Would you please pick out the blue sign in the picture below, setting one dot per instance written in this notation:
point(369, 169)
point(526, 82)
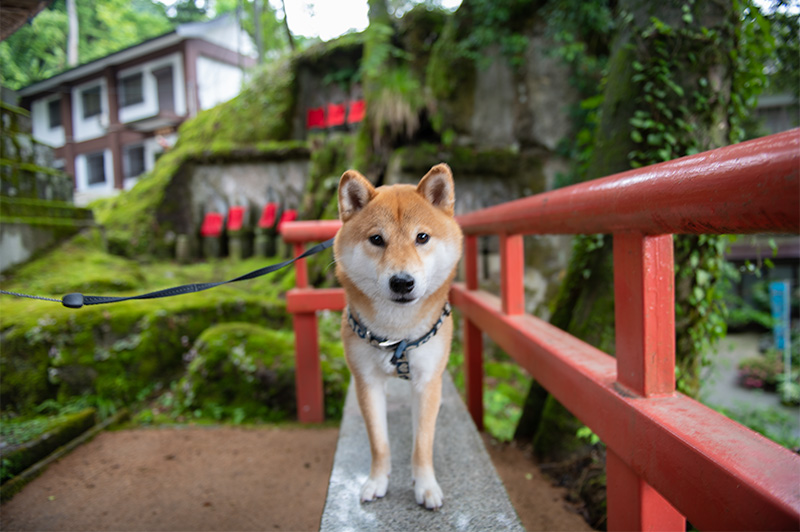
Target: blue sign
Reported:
point(779, 301)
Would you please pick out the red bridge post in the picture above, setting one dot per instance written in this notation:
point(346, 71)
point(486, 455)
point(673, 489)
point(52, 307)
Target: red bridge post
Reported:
point(307, 374)
point(644, 308)
point(473, 338)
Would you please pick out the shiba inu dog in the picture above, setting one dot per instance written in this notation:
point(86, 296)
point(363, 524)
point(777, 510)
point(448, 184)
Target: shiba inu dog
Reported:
point(396, 255)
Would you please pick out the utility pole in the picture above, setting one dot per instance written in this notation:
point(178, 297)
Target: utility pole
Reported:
point(72, 36)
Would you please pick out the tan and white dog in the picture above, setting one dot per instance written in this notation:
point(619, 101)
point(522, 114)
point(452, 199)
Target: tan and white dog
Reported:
point(396, 255)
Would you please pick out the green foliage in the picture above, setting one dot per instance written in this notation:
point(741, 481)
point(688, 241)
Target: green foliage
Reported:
point(38, 50)
point(702, 281)
point(35, 51)
point(183, 11)
point(680, 101)
point(754, 50)
point(393, 93)
point(497, 23)
point(767, 371)
point(581, 32)
point(506, 384)
point(783, 65)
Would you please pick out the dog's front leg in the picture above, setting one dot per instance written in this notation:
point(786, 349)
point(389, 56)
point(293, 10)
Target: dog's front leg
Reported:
point(372, 400)
point(427, 399)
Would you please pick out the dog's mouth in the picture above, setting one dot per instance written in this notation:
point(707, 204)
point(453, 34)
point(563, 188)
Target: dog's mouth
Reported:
point(404, 300)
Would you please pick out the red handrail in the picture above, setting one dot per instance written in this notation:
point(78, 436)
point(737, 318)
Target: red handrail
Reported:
point(704, 193)
point(668, 456)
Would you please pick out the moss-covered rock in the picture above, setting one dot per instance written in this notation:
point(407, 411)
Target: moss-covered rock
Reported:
point(115, 351)
point(241, 371)
point(26, 441)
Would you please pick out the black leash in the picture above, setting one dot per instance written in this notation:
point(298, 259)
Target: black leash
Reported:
point(77, 300)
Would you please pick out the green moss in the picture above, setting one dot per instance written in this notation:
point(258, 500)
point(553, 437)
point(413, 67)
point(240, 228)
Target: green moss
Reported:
point(262, 111)
point(451, 76)
point(115, 351)
point(241, 371)
point(313, 56)
point(419, 27)
point(97, 272)
point(500, 162)
point(29, 440)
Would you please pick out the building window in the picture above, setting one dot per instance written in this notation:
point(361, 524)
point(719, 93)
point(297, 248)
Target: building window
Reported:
point(91, 102)
point(95, 169)
point(134, 161)
point(54, 112)
point(130, 90)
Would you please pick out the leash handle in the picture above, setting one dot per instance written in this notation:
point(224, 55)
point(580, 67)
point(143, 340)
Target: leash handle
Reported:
point(77, 300)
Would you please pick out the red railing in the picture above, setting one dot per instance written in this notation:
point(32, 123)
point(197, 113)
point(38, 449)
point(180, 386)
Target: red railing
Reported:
point(668, 455)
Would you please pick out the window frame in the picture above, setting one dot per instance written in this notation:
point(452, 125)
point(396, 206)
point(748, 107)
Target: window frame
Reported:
point(98, 89)
point(129, 98)
point(89, 157)
point(126, 160)
point(54, 124)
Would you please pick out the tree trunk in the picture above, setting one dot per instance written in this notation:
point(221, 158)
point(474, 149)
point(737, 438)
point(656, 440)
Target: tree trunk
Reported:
point(585, 304)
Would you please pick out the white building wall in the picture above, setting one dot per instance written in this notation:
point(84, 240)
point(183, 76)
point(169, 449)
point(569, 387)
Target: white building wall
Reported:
point(217, 82)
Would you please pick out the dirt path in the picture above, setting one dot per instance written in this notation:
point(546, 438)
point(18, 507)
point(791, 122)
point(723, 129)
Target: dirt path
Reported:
point(224, 479)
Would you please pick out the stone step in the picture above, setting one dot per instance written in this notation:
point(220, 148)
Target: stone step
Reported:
point(474, 496)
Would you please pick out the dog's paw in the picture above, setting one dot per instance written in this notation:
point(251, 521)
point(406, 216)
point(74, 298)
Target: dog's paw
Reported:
point(374, 488)
point(428, 492)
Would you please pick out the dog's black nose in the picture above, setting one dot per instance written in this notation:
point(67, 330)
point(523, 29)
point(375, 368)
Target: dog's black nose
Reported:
point(402, 283)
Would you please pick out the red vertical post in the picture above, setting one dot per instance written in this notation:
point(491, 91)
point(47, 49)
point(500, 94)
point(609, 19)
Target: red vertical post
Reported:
point(633, 504)
point(300, 268)
point(644, 310)
point(307, 373)
point(473, 339)
point(512, 274)
point(644, 302)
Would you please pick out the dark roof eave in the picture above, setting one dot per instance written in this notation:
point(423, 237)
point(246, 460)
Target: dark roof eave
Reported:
point(86, 69)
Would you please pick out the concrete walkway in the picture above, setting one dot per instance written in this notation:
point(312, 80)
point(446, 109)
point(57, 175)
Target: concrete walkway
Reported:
point(474, 496)
point(720, 387)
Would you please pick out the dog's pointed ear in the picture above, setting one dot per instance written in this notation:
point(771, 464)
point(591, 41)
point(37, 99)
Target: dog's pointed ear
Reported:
point(437, 187)
point(354, 194)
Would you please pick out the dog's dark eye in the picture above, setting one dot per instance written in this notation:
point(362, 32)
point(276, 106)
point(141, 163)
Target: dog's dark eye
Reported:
point(423, 238)
point(376, 240)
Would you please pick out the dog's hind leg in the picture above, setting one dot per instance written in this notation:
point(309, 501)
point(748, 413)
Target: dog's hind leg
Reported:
point(426, 401)
point(372, 400)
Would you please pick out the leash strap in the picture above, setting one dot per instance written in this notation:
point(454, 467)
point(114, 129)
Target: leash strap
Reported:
point(78, 300)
